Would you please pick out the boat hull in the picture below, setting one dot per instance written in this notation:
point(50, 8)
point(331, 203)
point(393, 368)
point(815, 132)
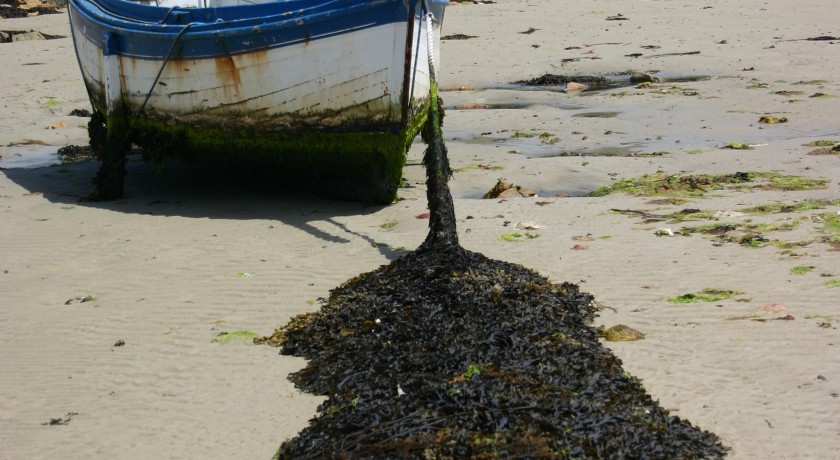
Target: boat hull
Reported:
point(334, 93)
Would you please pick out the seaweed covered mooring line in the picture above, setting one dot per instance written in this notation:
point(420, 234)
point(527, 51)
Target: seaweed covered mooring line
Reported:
point(445, 353)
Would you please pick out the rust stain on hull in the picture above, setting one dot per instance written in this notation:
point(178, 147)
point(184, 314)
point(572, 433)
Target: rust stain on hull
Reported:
point(228, 74)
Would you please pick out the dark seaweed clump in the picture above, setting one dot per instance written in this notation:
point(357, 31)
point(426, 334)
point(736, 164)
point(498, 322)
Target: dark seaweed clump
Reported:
point(74, 153)
point(445, 353)
point(561, 80)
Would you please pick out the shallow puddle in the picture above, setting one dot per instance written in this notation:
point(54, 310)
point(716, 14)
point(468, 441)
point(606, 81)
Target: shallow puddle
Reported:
point(29, 157)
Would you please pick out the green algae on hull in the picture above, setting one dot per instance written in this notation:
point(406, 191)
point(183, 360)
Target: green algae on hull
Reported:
point(357, 163)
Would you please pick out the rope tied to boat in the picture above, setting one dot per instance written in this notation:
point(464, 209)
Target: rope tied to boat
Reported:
point(163, 66)
point(430, 42)
point(442, 227)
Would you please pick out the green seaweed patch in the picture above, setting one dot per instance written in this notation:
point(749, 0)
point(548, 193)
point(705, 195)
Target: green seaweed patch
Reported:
point(472, 370)
point(225, 338)
point(821, 96)
point(791, 183)
point(822, 143)
point(804, 205)
point(674, 185)
point(830, 221)
point(826, 151)
point(706, 295)
point(523, 135)
point(471, 167)
point(739, 146)
point(831, 283)
point(682, 216)
point(753, 240)
point(515, 237)
point(825, 317)
point(389, 224)
point(711, 229)
point(787, 245)
point(52, 102)
point(801, 269)
point(783, 227)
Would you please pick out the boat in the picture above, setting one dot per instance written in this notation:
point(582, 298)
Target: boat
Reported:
point(330, 92)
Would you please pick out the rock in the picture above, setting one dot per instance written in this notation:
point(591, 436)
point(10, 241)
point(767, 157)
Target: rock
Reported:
point(574, 87)
point(768, 120)
point(504, 189)
point(641, 77)
point(517, 192)
point(622, 333)
point(25, 36)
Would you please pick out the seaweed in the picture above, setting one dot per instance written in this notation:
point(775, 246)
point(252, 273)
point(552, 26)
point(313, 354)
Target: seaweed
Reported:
point(445, 353)
point(562, 80)
point(706, 295)
point(392, 349)
point(679, 186)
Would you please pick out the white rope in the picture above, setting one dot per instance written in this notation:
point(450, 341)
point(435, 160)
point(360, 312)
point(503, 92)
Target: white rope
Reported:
point(430, 38)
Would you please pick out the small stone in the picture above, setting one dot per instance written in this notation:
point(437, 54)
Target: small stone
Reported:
point(504, 189)
point(622, 333)
point(26, 36)
point(574, 87)
point(641, 77)
point(768, 120)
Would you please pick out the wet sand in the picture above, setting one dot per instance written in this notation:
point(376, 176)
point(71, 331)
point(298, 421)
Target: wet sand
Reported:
point(183, 258)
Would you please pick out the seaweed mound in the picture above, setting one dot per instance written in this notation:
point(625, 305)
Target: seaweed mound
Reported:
point(446, 353)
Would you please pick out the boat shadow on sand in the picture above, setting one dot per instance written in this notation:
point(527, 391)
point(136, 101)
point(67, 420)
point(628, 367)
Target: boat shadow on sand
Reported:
point(178, 189)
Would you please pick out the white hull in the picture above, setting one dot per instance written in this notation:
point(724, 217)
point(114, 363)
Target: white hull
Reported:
point(355, 78)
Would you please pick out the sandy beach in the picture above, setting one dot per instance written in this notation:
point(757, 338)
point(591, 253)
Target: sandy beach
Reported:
point(110, 312)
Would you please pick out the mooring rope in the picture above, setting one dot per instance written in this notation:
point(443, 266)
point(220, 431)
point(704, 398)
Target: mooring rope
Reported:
point(163, 66)
point(442, 227)
point(430, 42)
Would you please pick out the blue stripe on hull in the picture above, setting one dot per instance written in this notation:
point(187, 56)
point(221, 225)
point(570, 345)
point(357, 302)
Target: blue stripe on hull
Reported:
point(226, 31)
